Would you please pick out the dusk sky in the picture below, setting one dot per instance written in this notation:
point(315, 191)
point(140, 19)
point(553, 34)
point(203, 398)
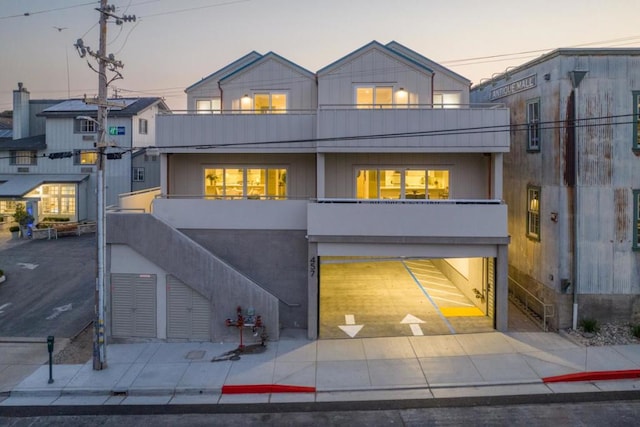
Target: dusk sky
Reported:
point(173, 44)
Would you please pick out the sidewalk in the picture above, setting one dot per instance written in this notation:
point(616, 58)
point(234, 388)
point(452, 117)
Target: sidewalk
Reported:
point(422, 367)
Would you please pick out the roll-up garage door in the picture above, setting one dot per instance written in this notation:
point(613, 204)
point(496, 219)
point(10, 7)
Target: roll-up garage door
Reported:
point(133, 305)
point(188, 312)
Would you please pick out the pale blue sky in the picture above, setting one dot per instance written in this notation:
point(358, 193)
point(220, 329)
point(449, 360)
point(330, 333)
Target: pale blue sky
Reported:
point(175, 43)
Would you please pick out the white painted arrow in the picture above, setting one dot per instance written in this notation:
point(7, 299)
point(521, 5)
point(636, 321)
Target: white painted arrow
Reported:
point(350, 328)
point(27, 265)
point(414, 324)
point(3, 306)
point(58, 310)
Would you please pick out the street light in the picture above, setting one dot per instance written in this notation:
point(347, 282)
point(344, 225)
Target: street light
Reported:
point(99, 348)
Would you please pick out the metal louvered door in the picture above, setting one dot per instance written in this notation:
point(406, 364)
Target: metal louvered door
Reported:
point(133, 305)
point(188, 312)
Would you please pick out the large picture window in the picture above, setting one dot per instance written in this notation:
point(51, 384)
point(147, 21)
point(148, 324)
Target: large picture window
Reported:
point(533, 212)
point(246, 182)
point(533, 125)
point(414, 183)
point(56, 199)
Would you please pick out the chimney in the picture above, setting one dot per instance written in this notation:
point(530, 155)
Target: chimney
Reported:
point(20, 112)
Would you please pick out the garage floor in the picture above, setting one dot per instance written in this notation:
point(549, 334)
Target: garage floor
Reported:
point(394, 297)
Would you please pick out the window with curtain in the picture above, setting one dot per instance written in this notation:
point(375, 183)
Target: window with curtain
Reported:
point(533, 213)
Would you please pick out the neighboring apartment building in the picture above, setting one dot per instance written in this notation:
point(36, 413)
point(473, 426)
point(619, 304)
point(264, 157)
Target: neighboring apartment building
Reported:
point(279, 174)
point(572, 181)
point(51, 159)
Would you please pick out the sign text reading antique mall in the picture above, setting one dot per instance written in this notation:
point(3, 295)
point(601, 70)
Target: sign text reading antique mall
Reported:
point(514, 87)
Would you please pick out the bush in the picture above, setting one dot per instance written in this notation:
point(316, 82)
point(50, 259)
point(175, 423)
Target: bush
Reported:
point(1, 273)
point(21, 216)
point(53, 219)
point(14, 228)
point(589, 325)
point(635, 331)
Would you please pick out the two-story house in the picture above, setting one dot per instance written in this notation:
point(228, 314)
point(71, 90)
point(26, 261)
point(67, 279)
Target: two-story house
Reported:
point(50, 162)
point(361, 200)
point(572, 181)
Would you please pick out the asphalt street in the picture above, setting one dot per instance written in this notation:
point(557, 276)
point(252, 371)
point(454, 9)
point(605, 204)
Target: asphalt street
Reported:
point(49, 288)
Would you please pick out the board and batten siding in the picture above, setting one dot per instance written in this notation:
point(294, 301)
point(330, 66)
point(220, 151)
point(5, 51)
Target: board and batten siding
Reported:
point(373, 67)
point(271, 75)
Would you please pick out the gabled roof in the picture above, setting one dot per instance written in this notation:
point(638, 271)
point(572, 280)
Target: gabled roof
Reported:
point(370, 46)
point(266, 57)
point(403, 50)
point(235, 65)
point(18, 185)
point(27, 144)
point(130, 107)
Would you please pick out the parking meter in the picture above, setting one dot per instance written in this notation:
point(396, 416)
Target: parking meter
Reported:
point(50, 340)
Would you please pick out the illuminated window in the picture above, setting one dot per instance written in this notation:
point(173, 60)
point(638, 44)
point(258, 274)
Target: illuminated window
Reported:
point(56, 198)
point(636, 219)
point(270, 102)
point(533, 125)
point(402, 184)
point(85, 126)
point(533, 212)
point(208, 106)
point(636, 120)
point(447, 99)
point(246, 182)
point(374, 97)
point(82, 157)
point(23, 158)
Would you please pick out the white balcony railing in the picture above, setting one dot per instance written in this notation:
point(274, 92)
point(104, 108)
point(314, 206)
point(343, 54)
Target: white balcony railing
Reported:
point(408, 218)
point(334, 128)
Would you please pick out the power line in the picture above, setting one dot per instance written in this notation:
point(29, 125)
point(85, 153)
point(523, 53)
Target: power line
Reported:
point(48, 10)
point(173, 12)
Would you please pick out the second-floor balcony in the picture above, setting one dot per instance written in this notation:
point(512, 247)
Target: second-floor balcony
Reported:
point(448, 220)
point(341, 128)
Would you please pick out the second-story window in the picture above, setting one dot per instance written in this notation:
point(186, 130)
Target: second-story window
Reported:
point(85, 157)
point(407, 183)
point(208, 106)
point(270, 102)
point(533, 213)
point(137, 174)
point(85, 126)
point(533, 125)
point(23, 158)
point(374, 96)
point(246, 182)
point(143, 126)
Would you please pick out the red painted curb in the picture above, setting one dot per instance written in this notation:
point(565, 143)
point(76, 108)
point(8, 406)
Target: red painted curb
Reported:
point(266, 388)
point(595, 376)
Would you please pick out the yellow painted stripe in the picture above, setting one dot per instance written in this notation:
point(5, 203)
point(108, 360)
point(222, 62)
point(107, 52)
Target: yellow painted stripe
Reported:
point(461, 311)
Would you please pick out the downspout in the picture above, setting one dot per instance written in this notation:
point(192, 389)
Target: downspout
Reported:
point(221, 97)
point(576, 77)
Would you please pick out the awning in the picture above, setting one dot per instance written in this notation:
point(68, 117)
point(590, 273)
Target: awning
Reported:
point(17, 185)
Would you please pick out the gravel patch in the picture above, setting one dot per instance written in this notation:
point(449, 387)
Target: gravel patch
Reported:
point(79, 350)
point(609, 334)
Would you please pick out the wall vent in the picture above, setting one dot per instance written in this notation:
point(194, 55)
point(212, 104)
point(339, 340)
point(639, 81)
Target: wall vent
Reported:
point(23, 169)
point(86, 170)
point(88, 138)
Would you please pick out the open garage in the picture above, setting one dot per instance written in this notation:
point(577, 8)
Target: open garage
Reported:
point(404, 296)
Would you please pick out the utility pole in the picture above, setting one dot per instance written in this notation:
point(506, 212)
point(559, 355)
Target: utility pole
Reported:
point(104, 63)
